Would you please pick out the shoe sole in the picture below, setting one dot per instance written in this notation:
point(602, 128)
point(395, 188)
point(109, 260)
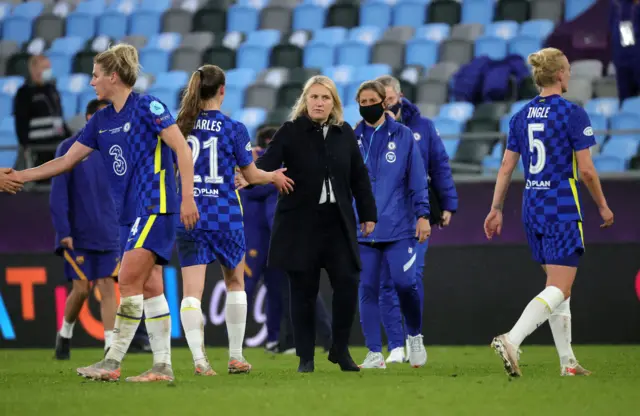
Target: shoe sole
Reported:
point(501, 351)
point(101, 378)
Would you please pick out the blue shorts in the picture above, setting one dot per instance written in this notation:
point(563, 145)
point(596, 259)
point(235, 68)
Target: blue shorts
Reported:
point(559, 244)
point(90, 265)
point(156, 233)
point(206, 246)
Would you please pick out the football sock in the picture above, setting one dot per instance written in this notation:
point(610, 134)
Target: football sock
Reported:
point(560, 323)
point(158, 322)
point(66, 331)
point(193, 324)
point(236, 318)
point(108, 337)
point(127, 321)
point(535, 314)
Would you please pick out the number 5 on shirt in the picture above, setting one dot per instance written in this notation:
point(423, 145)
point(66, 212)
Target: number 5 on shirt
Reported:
point(536, 145)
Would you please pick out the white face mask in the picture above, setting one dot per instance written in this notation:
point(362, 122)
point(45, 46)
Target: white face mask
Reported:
point(47, 75)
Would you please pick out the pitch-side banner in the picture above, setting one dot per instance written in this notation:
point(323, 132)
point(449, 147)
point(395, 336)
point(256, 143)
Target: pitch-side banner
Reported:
point(471, 294)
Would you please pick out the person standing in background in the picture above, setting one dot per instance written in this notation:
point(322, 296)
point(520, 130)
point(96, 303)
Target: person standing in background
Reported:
point(399, 182)
point(38, 112)
point(624, 27)
point(315, 227)
point(84, 217)
point(442, 191)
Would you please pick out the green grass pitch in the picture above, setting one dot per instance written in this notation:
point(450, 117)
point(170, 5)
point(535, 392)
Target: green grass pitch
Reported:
point(455, 381)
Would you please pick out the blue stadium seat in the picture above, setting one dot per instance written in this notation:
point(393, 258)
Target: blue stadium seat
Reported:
point(505, 29)
point(323, 3)
point(491, 46)
point(94, 7)
point(69, 44)
point(330, 35)
point(352, 113)
point(30, 9)
point(8, 157)
point(257, 4)
point(167, 41)
point(165, 93)
point(624, 149)
point(341, 74)
point(409, 13)
point(609, 163)
point(255, 57)
point(308, 17)
point(84, 98)
point(155, 5)
point(17, 29)
point(524, 45)
point(459, 111)
point(421, 51)
point(504, 123)
point(5, 10)
point(598, 122)
point(353, 53)
point(9, 85)
point(350, 92)
point(266, 37)
point(540, 28)
point(318, 55)
point(154, 60)
point(145, 22)
point(75, 83)
point(242, 19)
point(172, 79)
point(125, 7)
point(8, 137)
point(112, 24)
point(631, 105)
point(625, 121)
point(447, 126)
point(606, 106)
point(62, 52)
point(250, 117)
point(573, 8)
point(233, 98)
point(434, 31)
point(365, 34)
point(6, 104)
point(477, 11)
point(375, 14)
point(81, 24)
point(240, 77)
point(69, 101)
point(371, 71)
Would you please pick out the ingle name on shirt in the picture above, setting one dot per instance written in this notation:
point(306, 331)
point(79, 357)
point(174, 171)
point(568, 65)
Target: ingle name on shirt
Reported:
point(538, 112)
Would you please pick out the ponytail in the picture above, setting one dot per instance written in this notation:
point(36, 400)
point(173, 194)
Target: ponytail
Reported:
point(190, 107)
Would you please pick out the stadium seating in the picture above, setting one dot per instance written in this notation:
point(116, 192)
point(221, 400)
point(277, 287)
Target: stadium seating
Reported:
point(269, 48)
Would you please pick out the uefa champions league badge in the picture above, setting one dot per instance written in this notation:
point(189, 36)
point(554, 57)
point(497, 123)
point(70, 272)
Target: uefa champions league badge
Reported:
point(392, 146)
point(156, 108)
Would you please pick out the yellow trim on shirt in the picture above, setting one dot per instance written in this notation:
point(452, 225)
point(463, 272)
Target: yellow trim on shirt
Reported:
point(157, 169)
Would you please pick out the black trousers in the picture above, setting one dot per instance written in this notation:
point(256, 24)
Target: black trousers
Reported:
point(333, 255)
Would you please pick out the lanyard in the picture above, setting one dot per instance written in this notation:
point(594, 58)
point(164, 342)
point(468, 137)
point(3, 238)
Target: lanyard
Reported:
point(368, 151)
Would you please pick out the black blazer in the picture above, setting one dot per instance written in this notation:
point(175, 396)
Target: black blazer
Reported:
point(300, 146)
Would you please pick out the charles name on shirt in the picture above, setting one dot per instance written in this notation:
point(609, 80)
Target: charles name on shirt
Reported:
point(206, 124)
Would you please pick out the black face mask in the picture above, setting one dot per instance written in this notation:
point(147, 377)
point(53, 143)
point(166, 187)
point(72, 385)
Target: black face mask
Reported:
point(395, 108)
point(372, 113)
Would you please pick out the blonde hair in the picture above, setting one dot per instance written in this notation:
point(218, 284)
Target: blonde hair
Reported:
point(546, 63)
point(375, 86)
point(204, 85)
point(121, 59)
point(336, 117)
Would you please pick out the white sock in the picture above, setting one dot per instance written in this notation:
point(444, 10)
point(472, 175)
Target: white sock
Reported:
point(193, 324)
point(158, 322)
point(128, 318)
point(560, 323)
point(535, 314)
point(66, 331)
point(236, 318)
point(108, 337)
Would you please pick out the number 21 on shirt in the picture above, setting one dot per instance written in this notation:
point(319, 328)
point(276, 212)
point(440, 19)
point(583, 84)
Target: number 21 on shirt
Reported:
point(212, 145)
point(537, 146)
